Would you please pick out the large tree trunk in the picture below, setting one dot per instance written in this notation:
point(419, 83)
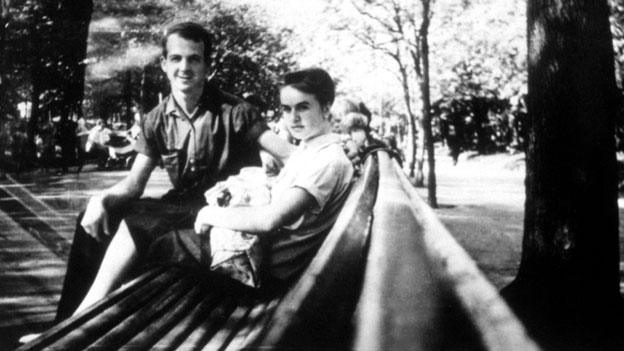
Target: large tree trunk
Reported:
point(73, 22)
point(568, 283)
point(4, 16)
point(37, 88)
point(480, 121)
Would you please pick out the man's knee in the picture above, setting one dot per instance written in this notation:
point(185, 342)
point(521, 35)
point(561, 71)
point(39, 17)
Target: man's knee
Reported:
point(85, 245)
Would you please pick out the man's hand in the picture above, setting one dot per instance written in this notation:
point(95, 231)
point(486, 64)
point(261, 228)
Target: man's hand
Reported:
point(95, 219)
point(201, 226)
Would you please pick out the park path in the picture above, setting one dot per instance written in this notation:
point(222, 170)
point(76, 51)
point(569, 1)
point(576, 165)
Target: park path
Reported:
point(481, 202)
point(37, 218)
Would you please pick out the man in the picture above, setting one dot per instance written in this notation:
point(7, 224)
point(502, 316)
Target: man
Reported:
point(200, 135)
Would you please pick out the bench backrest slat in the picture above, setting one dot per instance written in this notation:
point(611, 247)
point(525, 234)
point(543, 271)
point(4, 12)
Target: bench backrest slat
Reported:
point(497, 326)
point(421, 291)
point(400, 296)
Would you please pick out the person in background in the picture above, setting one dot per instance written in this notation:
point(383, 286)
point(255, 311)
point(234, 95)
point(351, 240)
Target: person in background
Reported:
point(97, 142)
point(305, 200)
point(356, 125)
point(82, 133)
point(66, 138)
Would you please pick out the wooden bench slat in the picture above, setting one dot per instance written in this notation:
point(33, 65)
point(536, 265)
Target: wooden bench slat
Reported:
point(213, 307)
point(127, 328)
point(78, 338)
point(223, 335)
point(493, 321)
point(238, 342)
point(257, 327)
point(62, 328)
point(400, 296)
point(166, 321)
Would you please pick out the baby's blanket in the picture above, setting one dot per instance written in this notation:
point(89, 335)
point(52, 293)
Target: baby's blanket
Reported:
point(234, 253)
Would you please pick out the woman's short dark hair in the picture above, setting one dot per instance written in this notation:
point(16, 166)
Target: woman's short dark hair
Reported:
point(190, 31)
point(314, 81)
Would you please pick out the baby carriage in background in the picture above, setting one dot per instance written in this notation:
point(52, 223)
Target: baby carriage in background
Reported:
point(111, 149)
point(121, 152)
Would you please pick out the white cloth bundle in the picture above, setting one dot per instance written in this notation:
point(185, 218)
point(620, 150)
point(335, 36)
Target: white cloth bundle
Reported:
point(233, 253)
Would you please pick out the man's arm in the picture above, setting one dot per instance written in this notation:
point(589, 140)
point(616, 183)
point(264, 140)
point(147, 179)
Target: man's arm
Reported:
point(276, 146)
point(95, 219)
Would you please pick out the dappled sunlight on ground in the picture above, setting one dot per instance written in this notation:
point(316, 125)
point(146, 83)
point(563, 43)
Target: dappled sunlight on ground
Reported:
point(37, 218)
point(482, 204)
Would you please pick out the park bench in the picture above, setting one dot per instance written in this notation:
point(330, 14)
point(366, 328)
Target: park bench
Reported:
point(387, 277)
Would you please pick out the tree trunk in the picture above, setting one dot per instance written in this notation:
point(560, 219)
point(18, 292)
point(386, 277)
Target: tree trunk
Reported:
point(74, 18)
point(412, 144)
point(419, 178)
point(4, 16)
point(480, 115)
point(426, 118)
point(37, 89)
point(411, 134)
point(568, 282)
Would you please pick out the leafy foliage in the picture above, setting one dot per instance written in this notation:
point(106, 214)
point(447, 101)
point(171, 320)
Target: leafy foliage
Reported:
point(44, 53)
point(247, 56)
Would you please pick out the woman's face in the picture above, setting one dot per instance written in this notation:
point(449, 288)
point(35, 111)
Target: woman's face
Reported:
point(303, 115)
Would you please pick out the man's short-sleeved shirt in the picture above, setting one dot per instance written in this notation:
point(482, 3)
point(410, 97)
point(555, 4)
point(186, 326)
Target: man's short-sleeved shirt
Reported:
point(321, 168)
point(217, 141)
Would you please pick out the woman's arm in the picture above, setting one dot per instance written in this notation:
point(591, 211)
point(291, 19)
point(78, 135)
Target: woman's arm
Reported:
point(257, 219)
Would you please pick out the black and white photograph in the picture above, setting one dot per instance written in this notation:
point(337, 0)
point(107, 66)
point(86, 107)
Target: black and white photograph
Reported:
point(312, 175)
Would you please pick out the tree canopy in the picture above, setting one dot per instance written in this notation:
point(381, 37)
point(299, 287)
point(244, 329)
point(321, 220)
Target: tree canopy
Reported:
point(46, 47)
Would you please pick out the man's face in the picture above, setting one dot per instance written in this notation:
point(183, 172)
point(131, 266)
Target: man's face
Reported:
point(185, 64)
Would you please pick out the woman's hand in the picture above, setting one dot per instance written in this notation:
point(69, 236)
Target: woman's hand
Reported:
point(201, 221)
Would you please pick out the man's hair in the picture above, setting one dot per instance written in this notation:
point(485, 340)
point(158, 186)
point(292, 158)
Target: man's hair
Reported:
point(190, 31)
point(314, 81)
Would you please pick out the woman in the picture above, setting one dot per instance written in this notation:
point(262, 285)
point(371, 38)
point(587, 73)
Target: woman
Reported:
point(306, 196)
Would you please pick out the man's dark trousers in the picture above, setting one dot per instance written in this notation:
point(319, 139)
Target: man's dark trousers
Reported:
point(146, 219)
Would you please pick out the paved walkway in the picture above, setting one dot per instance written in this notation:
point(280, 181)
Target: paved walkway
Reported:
point(37, 218)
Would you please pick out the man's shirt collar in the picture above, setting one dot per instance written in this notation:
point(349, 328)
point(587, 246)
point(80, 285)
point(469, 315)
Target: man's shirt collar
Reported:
point(210, 100)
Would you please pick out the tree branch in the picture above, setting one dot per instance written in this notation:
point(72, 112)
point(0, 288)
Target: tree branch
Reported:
point(369, 15)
